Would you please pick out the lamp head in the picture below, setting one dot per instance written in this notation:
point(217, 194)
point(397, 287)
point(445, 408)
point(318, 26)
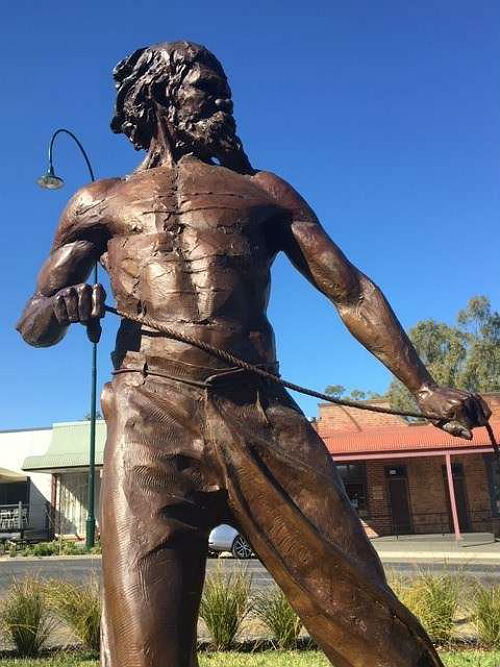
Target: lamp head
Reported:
point(49, 181)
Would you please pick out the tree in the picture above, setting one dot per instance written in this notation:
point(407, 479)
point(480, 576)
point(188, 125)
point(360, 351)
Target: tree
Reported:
point(338, 390)
point(481, 370)
point(357, 394)
point(466, 356)
point(335, 390)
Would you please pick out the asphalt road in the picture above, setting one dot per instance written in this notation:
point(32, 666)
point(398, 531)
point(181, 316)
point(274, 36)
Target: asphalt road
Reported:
point(80, 569)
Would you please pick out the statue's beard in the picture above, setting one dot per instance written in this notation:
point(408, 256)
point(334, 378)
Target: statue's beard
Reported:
point(214, 136)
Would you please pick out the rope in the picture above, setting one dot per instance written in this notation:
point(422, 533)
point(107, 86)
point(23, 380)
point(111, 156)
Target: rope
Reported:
point(231, 359)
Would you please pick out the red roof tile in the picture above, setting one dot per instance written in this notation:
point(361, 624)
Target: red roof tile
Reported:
point(407, 438)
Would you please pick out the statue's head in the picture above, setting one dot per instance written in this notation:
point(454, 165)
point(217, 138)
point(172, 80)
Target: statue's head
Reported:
point(183, 84)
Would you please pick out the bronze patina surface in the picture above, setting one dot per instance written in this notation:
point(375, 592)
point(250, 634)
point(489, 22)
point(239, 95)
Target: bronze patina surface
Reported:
point(189, 239)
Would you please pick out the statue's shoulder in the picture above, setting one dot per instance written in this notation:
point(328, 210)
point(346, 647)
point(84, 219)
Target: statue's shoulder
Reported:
point(271, 183)
point(97, 191)
point(89, 196)
point(283, 194)
point(85, 210)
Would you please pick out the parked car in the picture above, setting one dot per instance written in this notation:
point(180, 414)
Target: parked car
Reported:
point(227, 538)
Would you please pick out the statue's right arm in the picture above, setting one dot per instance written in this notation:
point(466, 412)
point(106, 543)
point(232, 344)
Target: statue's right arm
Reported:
point(61, 297)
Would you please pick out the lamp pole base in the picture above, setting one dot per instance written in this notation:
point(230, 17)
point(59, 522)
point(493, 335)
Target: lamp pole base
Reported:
point(90, 532)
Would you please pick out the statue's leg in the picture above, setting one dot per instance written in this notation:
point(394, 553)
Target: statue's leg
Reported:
point(286, 494)
point(154, 529)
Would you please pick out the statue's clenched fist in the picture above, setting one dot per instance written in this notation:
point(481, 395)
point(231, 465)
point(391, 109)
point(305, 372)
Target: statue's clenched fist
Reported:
point(81, 303)
point(456, 412)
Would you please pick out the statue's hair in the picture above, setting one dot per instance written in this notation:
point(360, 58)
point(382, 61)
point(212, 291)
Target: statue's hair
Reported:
point(148, 76)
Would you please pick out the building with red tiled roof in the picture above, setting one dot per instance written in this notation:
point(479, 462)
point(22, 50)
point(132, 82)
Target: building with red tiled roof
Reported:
point(413, 478)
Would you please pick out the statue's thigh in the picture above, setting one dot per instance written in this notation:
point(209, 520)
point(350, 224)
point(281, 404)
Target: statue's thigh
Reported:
point(154, 532)
point(290, 502)
point(152, 464)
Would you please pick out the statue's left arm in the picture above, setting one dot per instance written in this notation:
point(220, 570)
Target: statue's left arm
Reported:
point(61, 297)
point(364, 309)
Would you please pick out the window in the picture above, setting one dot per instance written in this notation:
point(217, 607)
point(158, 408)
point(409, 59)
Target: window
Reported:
point(12, 493)
point(354, 478)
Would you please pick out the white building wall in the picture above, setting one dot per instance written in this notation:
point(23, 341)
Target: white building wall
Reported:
point(72, 502)
point(15, 446)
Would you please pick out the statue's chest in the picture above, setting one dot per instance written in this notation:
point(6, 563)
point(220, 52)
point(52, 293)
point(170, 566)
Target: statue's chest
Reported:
point(198, 214)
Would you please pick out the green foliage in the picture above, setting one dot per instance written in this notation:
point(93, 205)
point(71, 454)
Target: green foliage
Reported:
point(96, 549)
point(224, 604)
point(58, 547)
point(466, 356)
point(273, 609)
point(335, 390)
point(487, 615)
point(357, 394)
point(433, 599)
point(26, 617)
point(78, 605)
point(339, 391)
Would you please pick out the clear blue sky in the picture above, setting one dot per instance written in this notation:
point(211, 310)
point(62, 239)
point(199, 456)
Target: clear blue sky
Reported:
point(383, 115)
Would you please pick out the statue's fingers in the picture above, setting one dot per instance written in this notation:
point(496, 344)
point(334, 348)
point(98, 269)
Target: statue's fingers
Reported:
point(484, 409)
point(472, 413)
point(98, 301)
point(457, 429)
point(84, 303)
point(60, 311)
point(71, 301)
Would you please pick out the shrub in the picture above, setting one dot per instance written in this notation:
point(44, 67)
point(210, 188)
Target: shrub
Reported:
point(58, 547)
point(273, 609)
point(26, 617)
point(224, 605)
point(434, 601)
point(487, 614)
point(78, 605)
point(41, 549)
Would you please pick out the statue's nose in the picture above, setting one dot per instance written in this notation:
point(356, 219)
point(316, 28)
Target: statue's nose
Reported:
point(224, 105)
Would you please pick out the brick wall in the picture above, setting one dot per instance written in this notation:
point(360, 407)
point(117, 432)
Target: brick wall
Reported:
point(427, 494)
point(378, 501)
point(426, 485)
point(476, 482)
point(342, 418)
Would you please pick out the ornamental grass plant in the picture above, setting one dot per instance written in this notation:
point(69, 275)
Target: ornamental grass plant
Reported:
point(486, 615)
point(25, 616)
point(433, 599)
point(224, 605)
point(273, 609)
point(78, 606)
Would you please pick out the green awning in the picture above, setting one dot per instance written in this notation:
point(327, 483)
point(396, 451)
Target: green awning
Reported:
point(11, 476)
point(69, 447)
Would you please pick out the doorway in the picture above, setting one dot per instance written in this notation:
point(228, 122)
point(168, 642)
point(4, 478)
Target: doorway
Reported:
point(399, 502)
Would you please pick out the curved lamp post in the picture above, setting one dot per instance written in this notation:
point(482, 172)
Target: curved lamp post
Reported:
point(49, 181)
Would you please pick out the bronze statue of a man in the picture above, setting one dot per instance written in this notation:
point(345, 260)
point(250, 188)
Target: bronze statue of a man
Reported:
point(189, 239)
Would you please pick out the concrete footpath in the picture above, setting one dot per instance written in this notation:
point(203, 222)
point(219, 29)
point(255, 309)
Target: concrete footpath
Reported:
point(473, 548)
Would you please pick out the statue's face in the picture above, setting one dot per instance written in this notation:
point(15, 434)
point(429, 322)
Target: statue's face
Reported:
point(204, 119)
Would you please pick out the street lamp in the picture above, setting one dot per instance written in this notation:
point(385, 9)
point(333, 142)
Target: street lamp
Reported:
point(49, 181)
